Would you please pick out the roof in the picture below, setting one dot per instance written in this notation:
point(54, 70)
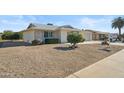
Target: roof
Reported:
point(67, 26)
point(50, 26)
point(99, 32)
point(42, 26)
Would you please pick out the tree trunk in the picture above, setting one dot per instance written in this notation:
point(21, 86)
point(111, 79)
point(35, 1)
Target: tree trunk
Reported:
point(119, 34)
point(74, 45)
point(119, 31)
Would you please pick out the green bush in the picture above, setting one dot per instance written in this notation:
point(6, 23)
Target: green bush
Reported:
point(15, 36)
point(83, 39)
point(36, 42)
point(51, 41)
point(7, 35)
point(10, 35)
point(75, 38)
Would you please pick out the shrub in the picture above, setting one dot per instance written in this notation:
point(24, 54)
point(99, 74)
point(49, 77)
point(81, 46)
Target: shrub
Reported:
point(36, 42)
point(10, 35)
point(52, 41)
point(15, 36)
point(7, 34)
point(74, 38)
point(83, 39)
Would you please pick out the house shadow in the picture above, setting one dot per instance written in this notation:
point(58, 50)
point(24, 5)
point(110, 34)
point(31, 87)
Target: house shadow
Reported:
point(63, 48)
point(12, 43)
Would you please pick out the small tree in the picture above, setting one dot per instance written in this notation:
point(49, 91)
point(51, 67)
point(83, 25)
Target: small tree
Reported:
point(74, 38)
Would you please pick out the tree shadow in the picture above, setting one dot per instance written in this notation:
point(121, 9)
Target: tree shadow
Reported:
point(63, 48)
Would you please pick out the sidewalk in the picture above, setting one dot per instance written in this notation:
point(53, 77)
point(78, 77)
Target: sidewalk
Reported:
point(99, 42)
point(110, 67)
point(116, 43)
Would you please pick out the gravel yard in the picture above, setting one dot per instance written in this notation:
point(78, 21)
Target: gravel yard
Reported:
point(55, 60)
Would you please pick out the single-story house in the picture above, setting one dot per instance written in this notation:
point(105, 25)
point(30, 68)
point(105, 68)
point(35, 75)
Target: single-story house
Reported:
point(42, 32)
point(97, 35)
point(113, 36)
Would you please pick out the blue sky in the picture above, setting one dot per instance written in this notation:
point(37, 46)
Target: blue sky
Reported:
point(95, 22)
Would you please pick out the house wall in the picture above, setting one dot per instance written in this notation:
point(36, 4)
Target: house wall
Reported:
point(39, 35)
point(56, 34)
point(95, 36)
point(28, 36)
point(102, 36)
point(87, 35)
point(63, 36)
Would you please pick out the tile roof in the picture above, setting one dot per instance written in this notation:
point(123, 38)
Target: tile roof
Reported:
point(51, 27)
point(99, 32)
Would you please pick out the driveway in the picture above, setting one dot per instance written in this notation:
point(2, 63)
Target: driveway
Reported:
point(99, 42)
point(13, 44)
point(1, 43)
point(110, 67)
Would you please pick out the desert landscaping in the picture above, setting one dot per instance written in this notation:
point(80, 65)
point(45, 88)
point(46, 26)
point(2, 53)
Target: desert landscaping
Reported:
point(50, 60)
point(48, 50)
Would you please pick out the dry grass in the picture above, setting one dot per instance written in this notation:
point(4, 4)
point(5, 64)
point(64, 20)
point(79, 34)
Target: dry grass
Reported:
point(49, 60)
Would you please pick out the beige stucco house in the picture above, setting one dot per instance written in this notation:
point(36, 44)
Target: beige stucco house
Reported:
point(48, 31)
point(95, 35)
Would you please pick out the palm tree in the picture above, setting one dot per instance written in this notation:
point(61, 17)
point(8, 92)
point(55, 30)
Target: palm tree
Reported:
point(118, 23)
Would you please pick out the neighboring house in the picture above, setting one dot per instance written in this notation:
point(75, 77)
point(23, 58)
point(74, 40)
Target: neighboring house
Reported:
point(113, 37)
point(48, 31)
point(97, 35)
point(102, 35)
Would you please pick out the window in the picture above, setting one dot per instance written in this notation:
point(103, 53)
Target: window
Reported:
point(102, 36)
point(48, 34)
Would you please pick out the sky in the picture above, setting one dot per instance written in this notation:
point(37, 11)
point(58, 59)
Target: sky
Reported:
point(94, 22)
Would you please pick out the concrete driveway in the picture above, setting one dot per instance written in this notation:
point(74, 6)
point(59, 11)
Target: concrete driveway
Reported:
point(99, 42)
point(13, 43)
point(110, 67)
